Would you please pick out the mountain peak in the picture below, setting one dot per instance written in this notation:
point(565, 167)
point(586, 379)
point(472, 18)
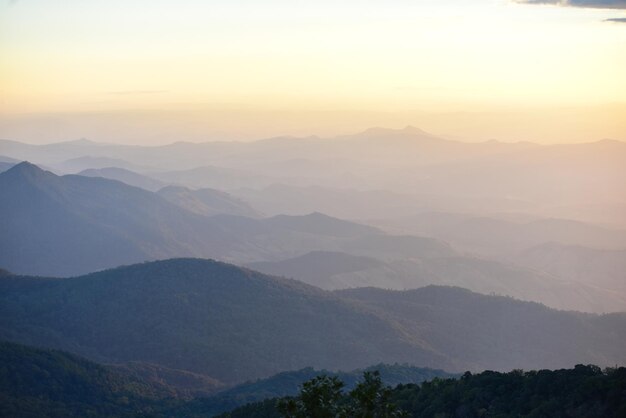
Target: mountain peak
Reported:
point(26, 171)
point(25, 167)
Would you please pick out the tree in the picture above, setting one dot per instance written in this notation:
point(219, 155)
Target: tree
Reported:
point(322, 397)
point(319, 398)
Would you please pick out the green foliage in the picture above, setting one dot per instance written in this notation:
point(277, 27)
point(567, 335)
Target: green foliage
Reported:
point(582, 392)
point(322, 397)
point(318, 397)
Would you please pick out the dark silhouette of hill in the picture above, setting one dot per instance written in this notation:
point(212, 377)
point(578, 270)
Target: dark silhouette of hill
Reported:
point(235, 324)
point(50, 383)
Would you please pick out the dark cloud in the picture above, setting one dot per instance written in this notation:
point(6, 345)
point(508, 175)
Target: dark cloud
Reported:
point(592, 4)
point(616, 20)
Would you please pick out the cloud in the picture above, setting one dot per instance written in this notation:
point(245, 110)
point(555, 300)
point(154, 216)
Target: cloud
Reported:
point(592, 4)
point(616, 20)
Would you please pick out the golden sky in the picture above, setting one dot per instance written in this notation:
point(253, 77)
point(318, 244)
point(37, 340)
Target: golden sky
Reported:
point(405, 61)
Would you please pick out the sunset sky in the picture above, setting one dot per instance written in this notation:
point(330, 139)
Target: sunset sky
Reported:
point(324, 67)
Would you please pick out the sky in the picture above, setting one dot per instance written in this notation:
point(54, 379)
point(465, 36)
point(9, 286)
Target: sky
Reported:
point(157, 71)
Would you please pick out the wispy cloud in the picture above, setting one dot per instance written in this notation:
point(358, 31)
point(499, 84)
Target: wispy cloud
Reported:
point(616, 20)
point(592, 4)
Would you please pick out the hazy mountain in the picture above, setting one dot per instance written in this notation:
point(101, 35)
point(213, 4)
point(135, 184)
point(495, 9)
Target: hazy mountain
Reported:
point(343, 203)
point(207, 202)
point(103, 223)
point(213, 177)
point(74, 224)
point(318, 268)
point(125, 176)
point(235, 324)
point(498, 236)
point(334, 270)
point(602, 268)
point(74, 165)
point(576, 181)
point(475, 327)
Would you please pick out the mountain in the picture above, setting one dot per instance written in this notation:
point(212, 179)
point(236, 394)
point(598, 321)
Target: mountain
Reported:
point(596, 267)
point(50, 383)
point(74, 165)
point(474, 327)
point(125, 176)
point(235, 324)
point(336, 270)
point(104, 223)
point(207, 202)
point(319, 223)
point(288, 384)
point(74, 224)
point(205, 317)
point(490, 235)
point(317, 268)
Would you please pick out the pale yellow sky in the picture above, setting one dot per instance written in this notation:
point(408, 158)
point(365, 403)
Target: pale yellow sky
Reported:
point(405, 61)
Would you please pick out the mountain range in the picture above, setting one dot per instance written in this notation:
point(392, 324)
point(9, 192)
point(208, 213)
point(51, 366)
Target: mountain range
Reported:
point(234, 324)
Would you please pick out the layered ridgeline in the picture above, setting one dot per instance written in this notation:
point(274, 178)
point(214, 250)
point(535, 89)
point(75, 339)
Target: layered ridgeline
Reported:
point(235, 324)
point(50, 383)
point(69, 225)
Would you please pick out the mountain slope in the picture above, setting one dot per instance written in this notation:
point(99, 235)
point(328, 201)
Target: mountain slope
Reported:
point(48, 383)
point(338, 270)
point(203, 316)
point(104, 223)
point(125, 176)
point(235, 324)
point(473, 328)
point(68, 225)
point(207, 202)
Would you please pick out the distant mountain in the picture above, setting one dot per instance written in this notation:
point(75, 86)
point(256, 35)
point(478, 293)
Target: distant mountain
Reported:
point(321, 224)
point(335, 270)
point(207, 202)
point(104, 223)
point(318, 268)
point(475, 327)
point(74, 224)
point(489, 235)
point(125, 176)
point(234, 324)
point(601, 268)
point(74, 165)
